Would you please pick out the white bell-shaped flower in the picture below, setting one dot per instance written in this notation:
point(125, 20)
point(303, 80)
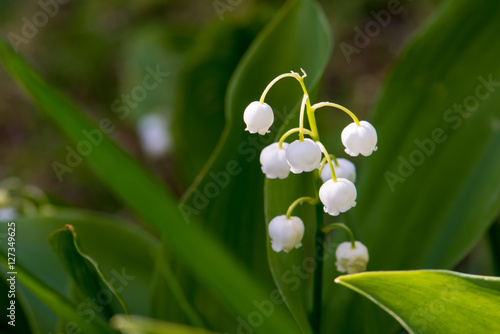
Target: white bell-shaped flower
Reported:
point(303, 156)
point(337, 196)
point(286, 234)
point(359, 139)
point(351, 260)
point(273, 161)
point(258, 117)
point(345, 169)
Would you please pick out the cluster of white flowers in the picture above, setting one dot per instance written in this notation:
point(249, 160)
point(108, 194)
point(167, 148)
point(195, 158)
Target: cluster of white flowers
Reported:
point(337, 193)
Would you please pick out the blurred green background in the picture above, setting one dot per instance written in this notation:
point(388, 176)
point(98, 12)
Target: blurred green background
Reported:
point(95, 52)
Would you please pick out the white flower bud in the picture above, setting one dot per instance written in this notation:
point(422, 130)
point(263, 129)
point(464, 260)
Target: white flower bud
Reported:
point(352, 260)
point(154, 136)
point(345, 170)
point(286, 234)
point(303, 156)
point(258, 117)
point(337, 196)
point(360, 138)
point(273, 161)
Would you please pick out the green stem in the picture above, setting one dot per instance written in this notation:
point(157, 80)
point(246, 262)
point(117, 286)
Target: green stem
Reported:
point(292, 206)
point(338, 106)
point(301, 117)
point(330, 227)
point(319, 242)
point(494, 236)
point(327, 156)
point(278, 78)
point(291, 131)
point(310, 111)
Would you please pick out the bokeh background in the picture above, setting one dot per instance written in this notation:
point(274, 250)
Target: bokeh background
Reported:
point(95, 52)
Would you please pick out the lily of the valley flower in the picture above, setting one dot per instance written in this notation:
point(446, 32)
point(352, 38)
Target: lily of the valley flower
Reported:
point(351, 260)
point(154, 137)
point(273, 161)
point(345, 169)
point(359, 139)
point(337, 196)
point(286, 233)
point(303, 156)
point(258, 117)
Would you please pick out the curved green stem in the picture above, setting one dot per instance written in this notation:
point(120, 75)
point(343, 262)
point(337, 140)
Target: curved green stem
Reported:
point(330, 227)
point(327, 156)
point(291, 131)
point(323, 161)
point(338, 106)
point(292, 206)
point(278, 78)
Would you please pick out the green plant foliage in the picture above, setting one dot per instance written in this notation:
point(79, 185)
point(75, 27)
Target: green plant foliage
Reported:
point(60, 305)
point(143, 194)
point(433, 302)
point(141, 325)
point(85, 272)
point(202, 87)
point(130, 263)
point(412, 212)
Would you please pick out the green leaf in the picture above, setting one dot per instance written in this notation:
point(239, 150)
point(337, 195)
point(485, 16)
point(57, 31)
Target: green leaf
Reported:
point(203, 84)
point(85, 272)
point(443, 221)
point(143, 193)
point(141, 325)
point(436, 301)
point(432, 188)
point(123, 251)
point(56, 302)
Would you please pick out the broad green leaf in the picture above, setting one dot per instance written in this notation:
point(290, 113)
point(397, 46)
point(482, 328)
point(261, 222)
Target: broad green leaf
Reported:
point(167, 291)
point(432, 188)
point(85, 272)
point(143, 193)
point(129, 263)
point(436, 301)
point(21, 321)
point(203, 82)
point(141, 325)
point(57, 303)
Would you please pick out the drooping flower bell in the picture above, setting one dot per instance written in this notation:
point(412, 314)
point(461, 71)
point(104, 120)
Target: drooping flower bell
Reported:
point(273, 161)
point(359, 139)
point(285, 233)
point(258, 117)
point(303, 156)
point(351, 260)
point(345, 169)
point(337, 196)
